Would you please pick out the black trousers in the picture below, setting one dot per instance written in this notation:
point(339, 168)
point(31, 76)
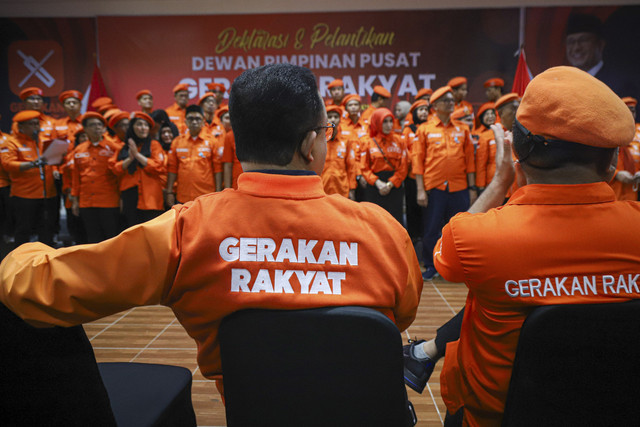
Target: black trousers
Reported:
point(392, 202)
point(449, 332)
point(35, 214)
point(100, 223)
point(414, 211)
point(130, 210)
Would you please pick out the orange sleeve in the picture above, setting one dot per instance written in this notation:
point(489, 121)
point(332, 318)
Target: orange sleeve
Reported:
point(216, 161)
point(75, 176)
point(407, 305)
point(367, 173)
point(229, 152)
point(445, 256)
point(78, 284)
point(469, 152)
point(172, 162)
point(482, 156)
point(353, 169)
point(115, 165)
point(10, 161)
point(155, 162)
point(402, 169)
point(419, 152)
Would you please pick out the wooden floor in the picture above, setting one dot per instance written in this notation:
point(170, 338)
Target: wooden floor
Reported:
point(153, 335)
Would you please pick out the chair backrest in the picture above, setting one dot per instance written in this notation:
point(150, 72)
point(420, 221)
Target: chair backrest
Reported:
point(577, 365)
point(333, 366)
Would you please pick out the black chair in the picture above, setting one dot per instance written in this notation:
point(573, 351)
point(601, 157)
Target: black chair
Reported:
point(49, 377)
point(336, 366)
point(577, 365)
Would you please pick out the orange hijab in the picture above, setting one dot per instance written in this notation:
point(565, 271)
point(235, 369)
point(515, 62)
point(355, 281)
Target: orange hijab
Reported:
point(375, 123)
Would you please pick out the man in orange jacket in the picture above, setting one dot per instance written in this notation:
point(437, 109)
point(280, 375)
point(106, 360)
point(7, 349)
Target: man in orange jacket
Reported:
point(559, 239)
point(176, 111)
point(265, 245)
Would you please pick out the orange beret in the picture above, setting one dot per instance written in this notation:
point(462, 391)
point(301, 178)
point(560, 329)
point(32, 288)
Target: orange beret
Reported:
point(180, 87)
point(457, 81)
point(143, 92)
point(101, 101)
point(418, 103)
point(592, 114)
point(381, 91)
point(144, 116)
point(25, 115)
point(30, 91)
point(459, 113)
point(338, 83)
point(70, 94)
point(222, 111)
point(117, 117)
point(505, 99)
point(104, 108)
point(93, 115)
point(486, 106)
point(205, 96)
point(216, 86)
point(438, 93)
point(110, 113)
point(335, 109)
point(424, 92)
point(494, 82)
point(350, 97)
point(630, 101)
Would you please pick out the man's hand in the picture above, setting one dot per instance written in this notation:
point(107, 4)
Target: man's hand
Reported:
point(504, 161)
point(170, 199)
point(75, 206)
point(362, 182)
point(421, 198)
point(625, 177)
point(133, 148)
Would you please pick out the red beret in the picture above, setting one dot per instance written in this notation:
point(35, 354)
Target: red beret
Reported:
point(457, 81)
point(143, 92)
point(216, 86)
point(70, 94)
point(30, 91)
point(630, 101)
point(381, 91)
point(222, 111)
point(418, 103)
point(101, 101)
point(117, 117)
point(424, 92)
point(592, 114)
point(180, 87)
point(505, 99)
point(25, 115)
point(438, 93)
point(144, 116)
point(205, 96)
point(494, 82)
point(93, 115)
point(350, 97)
point(486, 106)
point(336, 83)
point(335, 109)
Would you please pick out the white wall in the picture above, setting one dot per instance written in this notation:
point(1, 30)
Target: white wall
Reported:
point(87, 8)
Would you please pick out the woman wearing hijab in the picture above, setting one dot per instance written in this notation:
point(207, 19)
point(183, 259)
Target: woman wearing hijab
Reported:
point(139, 165)
point(485, 145)
point(419, 113)
point(384, 164)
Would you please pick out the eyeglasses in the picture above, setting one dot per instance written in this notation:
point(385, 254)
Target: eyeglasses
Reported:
point(329, 131)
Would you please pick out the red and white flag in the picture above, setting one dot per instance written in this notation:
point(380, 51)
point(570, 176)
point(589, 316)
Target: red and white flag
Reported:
point(95, 90)
point(523, 75)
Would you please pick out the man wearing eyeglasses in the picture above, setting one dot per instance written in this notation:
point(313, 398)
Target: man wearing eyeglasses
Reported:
point(278, 241)
point(192, 161)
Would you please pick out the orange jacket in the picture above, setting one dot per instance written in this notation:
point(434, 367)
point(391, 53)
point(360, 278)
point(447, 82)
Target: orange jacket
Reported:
point(485, 158)
point(195, 163)
point(374, 162)
point(443, 154)
point(229, 156)
point(550, 244)
point(26, 184)
point(631, 156)
point(147, 179)
point(66, 128)
point(4, 176)
point(365, 116)
point(264, 245)
point(177, 116)
point(340, 167)
point(47, 128)
point(92, 181)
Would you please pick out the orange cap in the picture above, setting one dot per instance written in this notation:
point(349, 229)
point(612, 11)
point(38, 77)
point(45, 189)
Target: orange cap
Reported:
point(216, 86)
point(205, 96)
point(505, 99)
point(70, 94)
point(30, 91)
point(486, 106)
point(335, 109)
point(457, 81)
point(336, 83)
point(418, 103)
point(424, 92)
point(221, 111)
point(630, 101)
point(350, 97)
point(117, 117)
point(381, 91)
point(25, 115)
point(110, 113)
point(104, 108)
point(143, 92)
point(438, 93)
point(93, 115)
point(494, 82)
point(104, 100)
point(144, 116)
point(180, 87)
point(592, 114)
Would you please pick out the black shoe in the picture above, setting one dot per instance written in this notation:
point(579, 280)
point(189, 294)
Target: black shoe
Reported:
point(416, 371)
point(430, 273)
